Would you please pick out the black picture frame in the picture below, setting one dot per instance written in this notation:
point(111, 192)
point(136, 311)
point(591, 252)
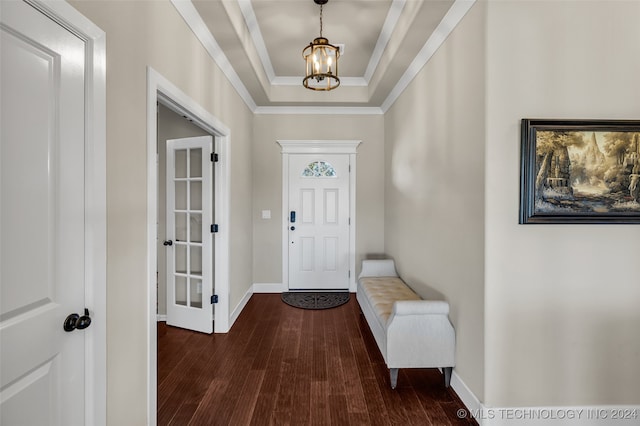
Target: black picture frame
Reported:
point(580, 171)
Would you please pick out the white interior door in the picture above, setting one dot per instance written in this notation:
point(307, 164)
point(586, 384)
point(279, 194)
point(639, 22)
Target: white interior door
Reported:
point(189, 234)
point(319, 222)
point(42, 220)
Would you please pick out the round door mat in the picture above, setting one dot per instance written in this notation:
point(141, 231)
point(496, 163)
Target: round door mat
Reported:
point(315, 300)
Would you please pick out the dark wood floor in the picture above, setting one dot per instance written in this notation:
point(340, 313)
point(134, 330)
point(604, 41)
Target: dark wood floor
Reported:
point(282, 365)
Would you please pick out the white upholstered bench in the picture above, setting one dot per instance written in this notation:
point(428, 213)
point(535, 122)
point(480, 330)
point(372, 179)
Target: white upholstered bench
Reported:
point(410, 332)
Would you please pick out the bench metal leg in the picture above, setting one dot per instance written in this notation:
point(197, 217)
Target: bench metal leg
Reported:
point(447, 376)
point(394, 377)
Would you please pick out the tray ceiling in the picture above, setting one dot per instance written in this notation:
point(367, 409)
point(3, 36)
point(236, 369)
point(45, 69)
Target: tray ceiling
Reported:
point(258, 44)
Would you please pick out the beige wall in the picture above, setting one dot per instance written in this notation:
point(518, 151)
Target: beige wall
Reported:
point(566, 335)
point(139, 34)
point(562, 301)
point(434, 194)
point(267, 182)
point(170, 126)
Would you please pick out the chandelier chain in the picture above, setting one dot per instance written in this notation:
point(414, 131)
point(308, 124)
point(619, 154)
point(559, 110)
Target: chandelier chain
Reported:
point(320, 20)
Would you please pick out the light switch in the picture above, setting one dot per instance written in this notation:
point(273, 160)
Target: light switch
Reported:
point(266, 214)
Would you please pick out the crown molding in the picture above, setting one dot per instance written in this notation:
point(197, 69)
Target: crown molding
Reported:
point(450, 20)
point(318, 110)
point(297, 81)
point(388, 28)
point(193, 19)
point(251, 22)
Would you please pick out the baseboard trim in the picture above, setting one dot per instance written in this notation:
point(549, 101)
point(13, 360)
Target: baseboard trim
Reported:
point(595, 415)
point(465, 394)
point(234, 315)
point(240, 306)
point(269, 288)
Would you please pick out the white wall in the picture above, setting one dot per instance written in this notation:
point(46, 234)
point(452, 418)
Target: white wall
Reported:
point(267, 182)
point(141, 34)
point(562, 301)
point(434, 192)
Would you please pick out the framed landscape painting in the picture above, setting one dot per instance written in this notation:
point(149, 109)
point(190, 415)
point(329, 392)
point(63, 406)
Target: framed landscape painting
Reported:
point(580, 171)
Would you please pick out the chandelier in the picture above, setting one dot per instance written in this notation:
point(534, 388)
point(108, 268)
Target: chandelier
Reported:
point(321, 61)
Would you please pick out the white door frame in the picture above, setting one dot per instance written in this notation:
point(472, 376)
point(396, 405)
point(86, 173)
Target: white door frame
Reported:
point(159, 89)
point(95, 202)
point(289, 147)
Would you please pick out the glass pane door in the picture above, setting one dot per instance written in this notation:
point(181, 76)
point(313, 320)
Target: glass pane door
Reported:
point(188, 227)
point(189, 216)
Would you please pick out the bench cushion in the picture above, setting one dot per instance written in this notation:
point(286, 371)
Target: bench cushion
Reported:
point(382, 292)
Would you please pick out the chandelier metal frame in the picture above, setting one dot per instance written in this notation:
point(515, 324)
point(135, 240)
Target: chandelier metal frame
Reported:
point(321, 61)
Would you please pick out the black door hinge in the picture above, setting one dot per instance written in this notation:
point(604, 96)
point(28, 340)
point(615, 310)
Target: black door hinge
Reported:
point(214, 157)
point(214, 299)
point(214, 228)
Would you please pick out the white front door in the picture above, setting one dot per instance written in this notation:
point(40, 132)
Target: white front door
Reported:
point(42, 220)
point(319, 222)
point(189, 233)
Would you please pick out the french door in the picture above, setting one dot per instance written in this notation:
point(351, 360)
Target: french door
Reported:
point(189, 233)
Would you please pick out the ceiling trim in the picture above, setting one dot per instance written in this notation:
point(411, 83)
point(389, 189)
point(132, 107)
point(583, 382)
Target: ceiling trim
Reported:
point(388, 28)
point(297, 81)
point(450, 20)
point(251, 21)
point(193, 19)
point(318, 110)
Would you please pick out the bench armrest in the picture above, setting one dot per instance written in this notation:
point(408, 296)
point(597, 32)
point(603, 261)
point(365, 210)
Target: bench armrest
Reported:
point(420, 307)
point(420, 335)
point(378, 268)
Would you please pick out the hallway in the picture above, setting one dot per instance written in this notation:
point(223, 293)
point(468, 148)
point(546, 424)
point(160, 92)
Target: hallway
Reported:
point(282, 365)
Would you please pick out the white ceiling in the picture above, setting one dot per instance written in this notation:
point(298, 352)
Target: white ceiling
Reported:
point(258, 44)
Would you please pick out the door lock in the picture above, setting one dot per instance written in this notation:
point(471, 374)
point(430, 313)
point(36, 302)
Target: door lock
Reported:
point(168, 243)
point(74, 321)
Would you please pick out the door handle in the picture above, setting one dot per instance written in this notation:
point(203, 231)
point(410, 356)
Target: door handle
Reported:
point(168, 243)
point(74, 321)
point(292, 216)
